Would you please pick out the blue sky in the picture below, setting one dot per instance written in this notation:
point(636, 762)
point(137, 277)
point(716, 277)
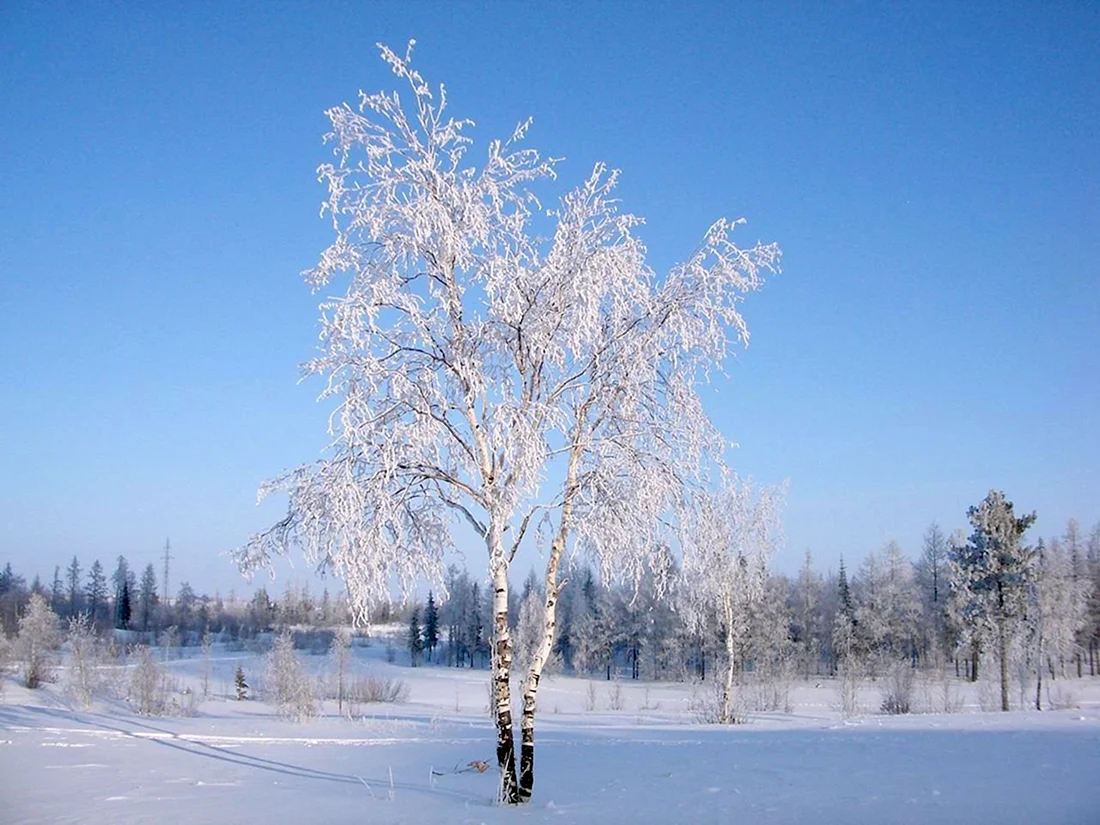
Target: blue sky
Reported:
point(931, 172)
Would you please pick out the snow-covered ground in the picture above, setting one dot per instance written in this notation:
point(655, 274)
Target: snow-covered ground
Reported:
point(636, 757)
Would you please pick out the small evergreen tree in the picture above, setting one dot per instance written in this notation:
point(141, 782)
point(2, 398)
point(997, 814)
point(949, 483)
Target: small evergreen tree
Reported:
point(416, 640)
point(123, 608)
point(120, 579)
point(242, 685)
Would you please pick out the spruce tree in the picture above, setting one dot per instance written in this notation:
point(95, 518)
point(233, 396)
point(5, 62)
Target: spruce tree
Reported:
point(123, 609)
point(97, 591)
point(416, 641)
point(431, 626)
point(57, 591)
point(74, 586)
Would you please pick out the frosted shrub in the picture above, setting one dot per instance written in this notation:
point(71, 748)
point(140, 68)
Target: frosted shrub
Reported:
point(154, 693)
point(710, 704)
point(937, 691)
point(378, 689)
point(849, 676)
point(365, 690)
point(147, 688)
point(615, 695)
point(39, 636)
point(769, 692)
point(647, 703)
point(288, 685)
point(170, 640)
point(82, 679)
point(590, 696)
point(898, 693)
point(1061, 697)
point(768, 687)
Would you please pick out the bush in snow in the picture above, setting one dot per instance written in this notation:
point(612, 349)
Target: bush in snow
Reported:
point(898, 694)
point(710, 704)
point(82, 679)
point(363, 690)
point(615, 695)
point(288, 685)
point(154, 693)
point(39, 636)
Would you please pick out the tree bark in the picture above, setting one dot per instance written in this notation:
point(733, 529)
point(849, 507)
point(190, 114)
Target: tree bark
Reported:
point(727, 686)
point(542, 652)
point(502, 688)
point(534, 674)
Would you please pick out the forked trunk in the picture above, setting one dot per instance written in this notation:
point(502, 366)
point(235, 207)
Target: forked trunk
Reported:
point(542, 652)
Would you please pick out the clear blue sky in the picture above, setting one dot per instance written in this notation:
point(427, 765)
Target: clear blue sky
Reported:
point(932, 172)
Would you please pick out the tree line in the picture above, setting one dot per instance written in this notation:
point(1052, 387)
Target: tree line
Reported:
point(964, 600)
point(989, 598)
point(128, 602)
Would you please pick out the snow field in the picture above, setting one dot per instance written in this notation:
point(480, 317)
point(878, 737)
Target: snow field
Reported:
point(607, 752)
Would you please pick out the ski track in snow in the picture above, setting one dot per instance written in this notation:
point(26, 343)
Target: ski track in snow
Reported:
point(216, 739)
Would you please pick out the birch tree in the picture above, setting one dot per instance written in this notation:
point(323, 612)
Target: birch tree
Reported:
point(494, 362)
point(727, 544)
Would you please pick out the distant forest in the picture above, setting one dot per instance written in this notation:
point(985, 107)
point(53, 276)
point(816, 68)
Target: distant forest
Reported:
point(862, 619)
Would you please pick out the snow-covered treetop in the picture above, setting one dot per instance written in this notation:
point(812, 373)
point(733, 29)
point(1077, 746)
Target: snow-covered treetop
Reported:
point(511, 364)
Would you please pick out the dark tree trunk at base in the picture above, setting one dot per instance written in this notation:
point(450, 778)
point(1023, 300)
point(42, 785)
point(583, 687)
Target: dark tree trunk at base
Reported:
point(502, 689)
point(506, 760)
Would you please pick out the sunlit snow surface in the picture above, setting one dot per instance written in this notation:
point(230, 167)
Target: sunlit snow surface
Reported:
point(647, 762)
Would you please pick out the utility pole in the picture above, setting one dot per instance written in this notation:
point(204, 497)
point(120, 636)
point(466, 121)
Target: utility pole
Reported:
point(167, 558)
